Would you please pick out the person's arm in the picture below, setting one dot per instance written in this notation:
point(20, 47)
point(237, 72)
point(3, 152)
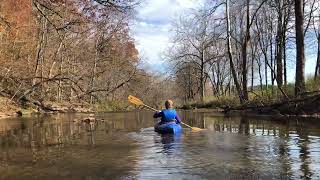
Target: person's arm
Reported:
point(178, 119)
point(157, 114)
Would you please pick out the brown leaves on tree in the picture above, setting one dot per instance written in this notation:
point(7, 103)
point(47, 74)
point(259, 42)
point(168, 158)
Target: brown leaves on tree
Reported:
point(66, 50)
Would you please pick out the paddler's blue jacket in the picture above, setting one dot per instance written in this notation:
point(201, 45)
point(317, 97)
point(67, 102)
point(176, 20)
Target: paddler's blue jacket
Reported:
point(167, 115)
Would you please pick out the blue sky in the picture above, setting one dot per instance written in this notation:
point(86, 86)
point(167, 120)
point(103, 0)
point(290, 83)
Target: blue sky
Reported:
point(151, 31)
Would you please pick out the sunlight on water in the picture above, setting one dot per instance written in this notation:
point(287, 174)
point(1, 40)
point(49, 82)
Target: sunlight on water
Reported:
point(124, 146)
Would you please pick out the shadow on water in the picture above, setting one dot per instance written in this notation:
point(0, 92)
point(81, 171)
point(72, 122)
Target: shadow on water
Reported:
point(125, 146)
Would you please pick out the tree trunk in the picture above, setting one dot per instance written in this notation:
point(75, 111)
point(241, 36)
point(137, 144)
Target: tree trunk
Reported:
point(60, 82)
point(219, 90)
point(190, 91)
point(40, 46)
point(234, 73)
point(279, 49)
point(285, 60)
point(279, 60)
point(300, 57)
point(260, 74)
point(252, 73)
point(244, 56)
point(61, 61)
point(271, 62)
point(266, 69)
point(94, 71)
point(317, 72)
point(202, 88)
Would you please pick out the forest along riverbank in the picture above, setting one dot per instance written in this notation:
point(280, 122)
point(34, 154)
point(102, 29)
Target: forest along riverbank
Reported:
point(307, 106)
point(302, 107)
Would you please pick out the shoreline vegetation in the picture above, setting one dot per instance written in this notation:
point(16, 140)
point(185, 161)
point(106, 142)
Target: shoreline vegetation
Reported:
point(264, 103)
point(304, 106)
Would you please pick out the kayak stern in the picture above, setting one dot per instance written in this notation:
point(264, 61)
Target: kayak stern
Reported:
point(168, 128)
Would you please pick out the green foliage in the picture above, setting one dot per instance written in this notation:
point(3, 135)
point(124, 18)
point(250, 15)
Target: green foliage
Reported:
point(212, 102)
point(313, 84)
point(289, 90)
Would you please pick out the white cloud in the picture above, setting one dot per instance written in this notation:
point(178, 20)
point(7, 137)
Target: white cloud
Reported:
point(152, 45)
point(152, 28)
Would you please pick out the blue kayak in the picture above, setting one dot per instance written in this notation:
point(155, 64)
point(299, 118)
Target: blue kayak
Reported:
point(168, 128)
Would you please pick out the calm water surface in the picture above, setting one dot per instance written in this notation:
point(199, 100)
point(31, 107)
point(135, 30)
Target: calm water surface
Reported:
point(125, 146)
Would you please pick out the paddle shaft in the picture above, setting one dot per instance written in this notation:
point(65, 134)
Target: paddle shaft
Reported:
point(150, 107)
point(186, 125)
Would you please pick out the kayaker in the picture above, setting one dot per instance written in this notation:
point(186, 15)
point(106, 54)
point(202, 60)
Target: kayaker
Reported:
point(168, 115)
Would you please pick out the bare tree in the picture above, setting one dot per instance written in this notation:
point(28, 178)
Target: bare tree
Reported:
point(300, 56)
point(232, 66)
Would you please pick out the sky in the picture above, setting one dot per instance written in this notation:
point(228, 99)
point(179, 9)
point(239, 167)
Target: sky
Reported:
point(151, 31)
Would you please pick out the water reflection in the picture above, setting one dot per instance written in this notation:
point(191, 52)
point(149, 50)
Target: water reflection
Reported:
point(291, 141)
point(125, 146)
point(171, 142)
point(52, 147)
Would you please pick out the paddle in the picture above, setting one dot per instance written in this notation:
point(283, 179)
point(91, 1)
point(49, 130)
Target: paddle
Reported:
point(138, 102)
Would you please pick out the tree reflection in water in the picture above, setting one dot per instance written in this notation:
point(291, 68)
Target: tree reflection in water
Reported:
point(125, 145)
point(55, 147)
point(291, 140)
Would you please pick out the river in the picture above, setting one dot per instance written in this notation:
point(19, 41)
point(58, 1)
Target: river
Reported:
point(124, 146)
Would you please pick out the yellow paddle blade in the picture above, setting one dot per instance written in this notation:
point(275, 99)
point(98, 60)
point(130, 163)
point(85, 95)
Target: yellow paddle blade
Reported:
point(196, 129)
point(135, 100)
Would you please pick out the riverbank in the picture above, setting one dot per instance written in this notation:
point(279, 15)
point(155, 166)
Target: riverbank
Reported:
point(302, 107)
point(10, 108)
point(308, 106)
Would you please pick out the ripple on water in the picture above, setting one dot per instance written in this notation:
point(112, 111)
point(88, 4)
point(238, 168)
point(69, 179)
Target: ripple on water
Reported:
point(125, 146)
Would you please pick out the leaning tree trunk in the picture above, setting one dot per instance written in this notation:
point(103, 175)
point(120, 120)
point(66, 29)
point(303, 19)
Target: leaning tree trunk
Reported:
point(300, 57)
point(234, 73)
